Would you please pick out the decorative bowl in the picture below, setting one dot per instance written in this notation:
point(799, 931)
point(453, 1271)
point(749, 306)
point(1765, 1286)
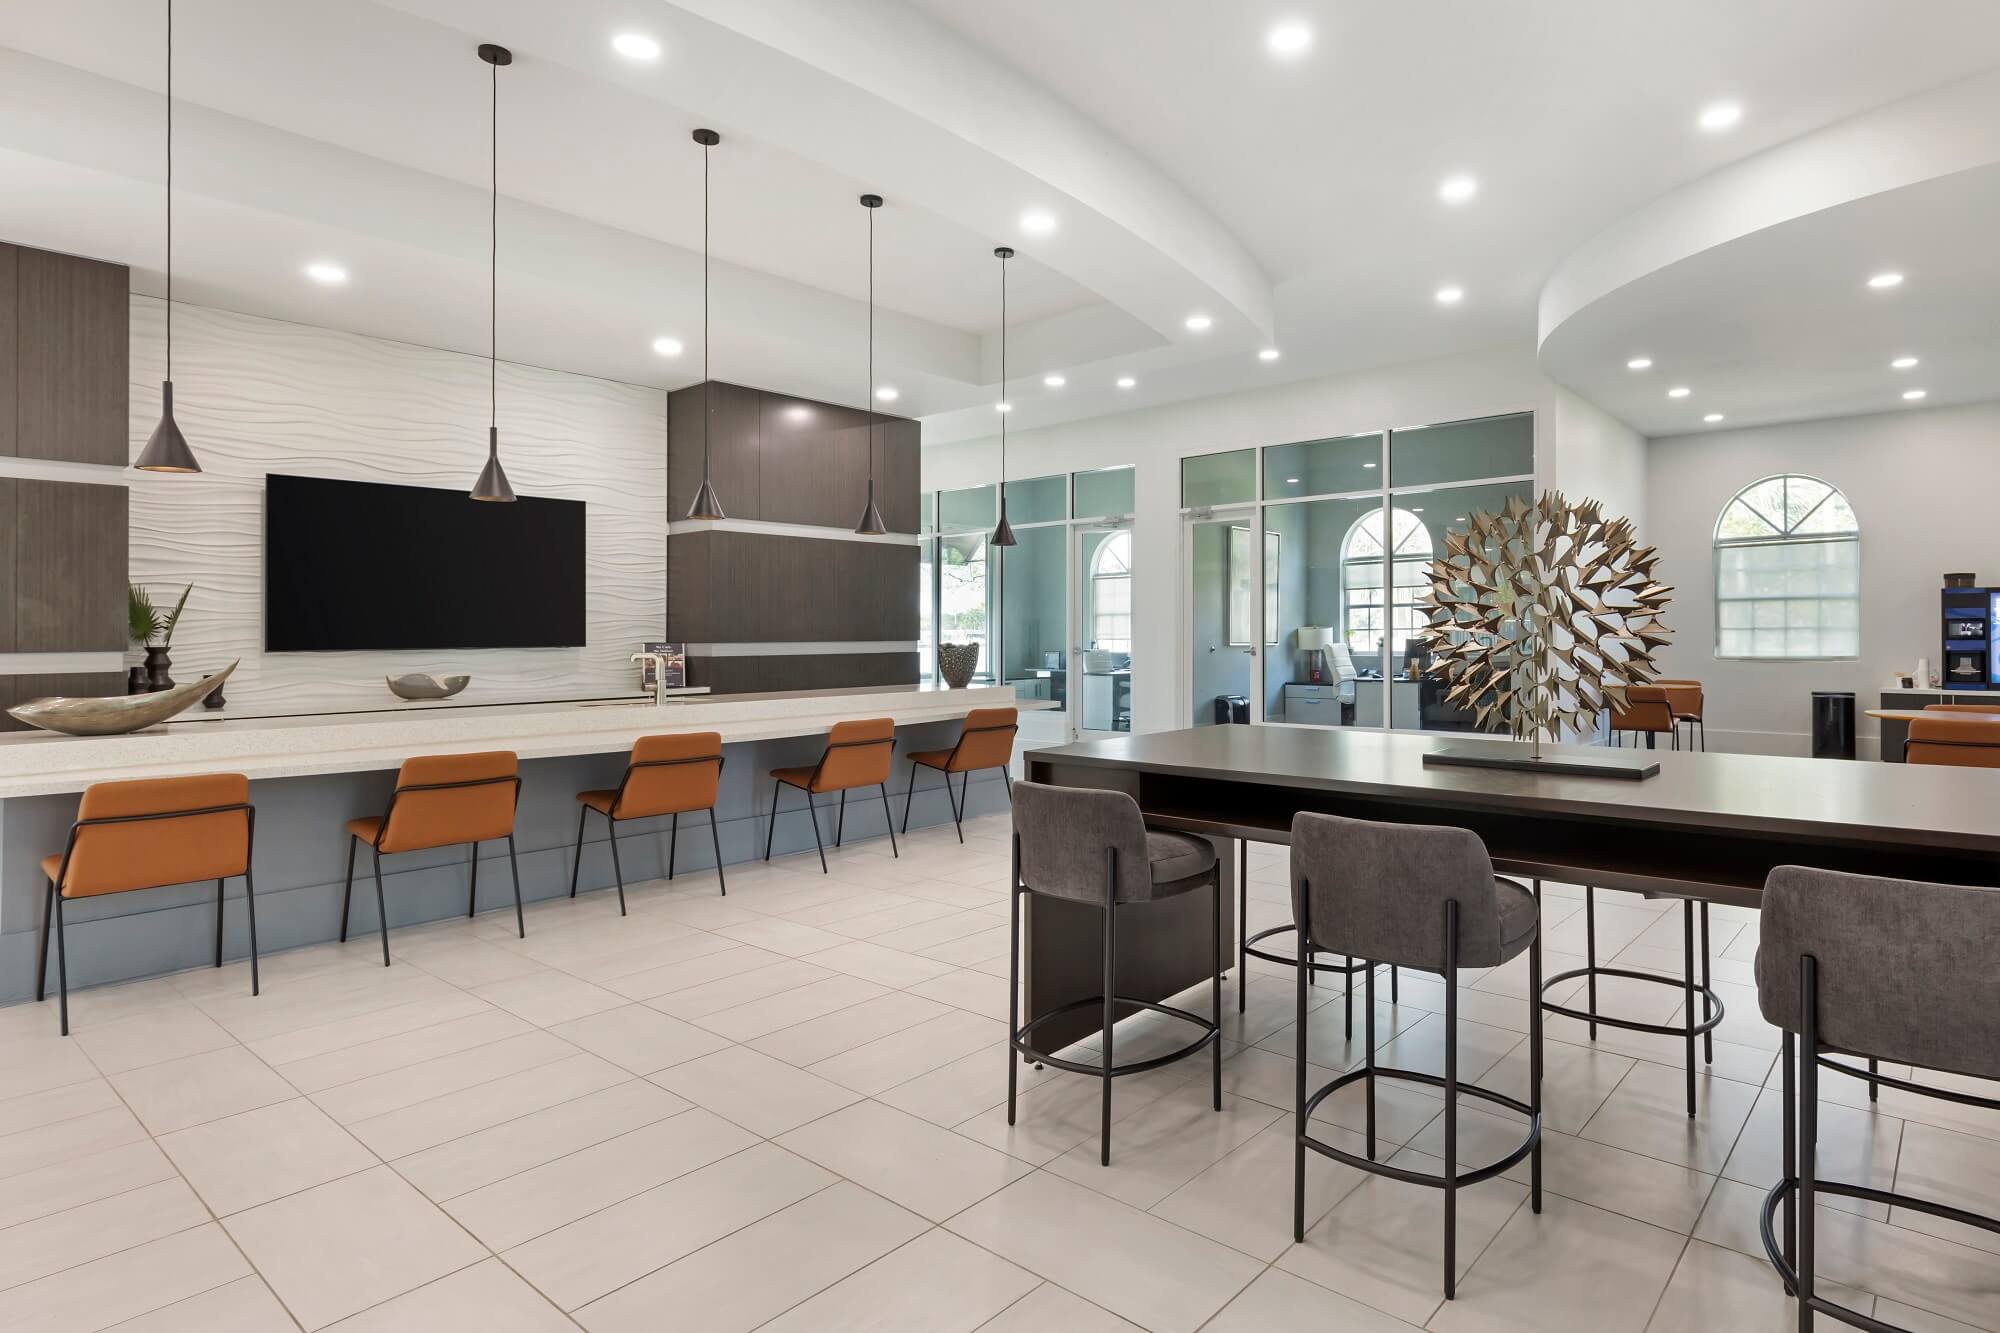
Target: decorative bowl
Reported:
point(956, 662)
point(418, 685)
point(118, 714)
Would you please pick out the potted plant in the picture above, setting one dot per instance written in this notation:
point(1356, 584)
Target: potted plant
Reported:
point(154, 632)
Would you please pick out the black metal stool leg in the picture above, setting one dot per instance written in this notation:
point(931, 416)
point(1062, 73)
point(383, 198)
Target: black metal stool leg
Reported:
point(514, 863)
point(772, 832)
point(577, 865)
point(617, 871)
point(1707, 1038)
point(1874, 1088)
point(1299, 1067)
point(250, 914)
point(673, 844)
point(218, 922)
point(1790, 1160)
point(1013, 973)
point(1215, 980)
point(1368, 1047)
point(42, 954)
point(1243, 926)
point(840, 820)
point(1687, 956)
point(1395, 992)
point(472, 899)
point(1110, 991)
point(347, 895)
point(1450, 1099)
point(909, 792)
point(381, 905)
point(716, 839)
point(1808, 1168)
point(889, 821)
point(818, 846)
point(1535, 1051)
point(62, 970)
point(1590, 950)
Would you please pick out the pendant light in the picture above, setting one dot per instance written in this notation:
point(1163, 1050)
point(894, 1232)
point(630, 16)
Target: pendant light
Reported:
point(167, 450)
point(492, 483)
point(706, 503)
point(871, 524)
point(1003, 534)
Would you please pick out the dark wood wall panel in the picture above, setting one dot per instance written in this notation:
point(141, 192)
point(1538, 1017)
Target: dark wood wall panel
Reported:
point(19, 689)
point(688, 605)
point(833, 671)
point(70, 542)
point(898, 466)
point(879, 583)
point(9, 541)
point(744, 587)
point(72, 355)
point(733, 428)
point(10, 350)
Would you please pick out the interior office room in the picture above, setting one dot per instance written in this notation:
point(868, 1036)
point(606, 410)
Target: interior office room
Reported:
point(1292, 705)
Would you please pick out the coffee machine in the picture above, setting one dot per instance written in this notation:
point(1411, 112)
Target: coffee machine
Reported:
point(1971, 620)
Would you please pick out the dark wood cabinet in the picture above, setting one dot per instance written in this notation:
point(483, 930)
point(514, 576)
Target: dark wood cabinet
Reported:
point(10, 345)
point(72, 354)
point(70, 541)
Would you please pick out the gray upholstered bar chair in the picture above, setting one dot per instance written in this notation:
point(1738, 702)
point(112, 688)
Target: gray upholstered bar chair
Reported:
point(1887, 969)
point(1422, 897)
point(1093, 847)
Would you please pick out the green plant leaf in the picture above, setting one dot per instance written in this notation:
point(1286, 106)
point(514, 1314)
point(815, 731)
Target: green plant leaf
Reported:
point(142, 622)
point(167, 628)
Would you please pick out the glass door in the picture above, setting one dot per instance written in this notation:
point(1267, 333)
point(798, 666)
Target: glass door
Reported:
point(1100, 664)
point(1227, 598)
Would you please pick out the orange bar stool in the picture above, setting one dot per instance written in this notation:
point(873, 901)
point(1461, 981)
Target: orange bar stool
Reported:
point(667, 775)
point(147, 834)
point(857, 755)
point(1964, 741)
point(441, 800)
point(986, 742)
point(1646, 713)
point(1988, 709)
point(1684, 701)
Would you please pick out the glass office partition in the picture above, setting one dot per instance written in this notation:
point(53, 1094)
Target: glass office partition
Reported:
point(1463, 451)
point(1323, 467)
point(1427, 517)
point(1107, 492)
point(1310, 673)
point(1219, 479)
point(1034, 610)
point(973, 509)
point(1101, 669)
point(1038, 500)
point(962, 596)
point(926, 605)
point(1224, 583)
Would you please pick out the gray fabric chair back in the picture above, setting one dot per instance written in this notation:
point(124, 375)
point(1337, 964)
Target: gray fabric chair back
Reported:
point(1064, 831)
point(1379, 890)
point(1907, 971)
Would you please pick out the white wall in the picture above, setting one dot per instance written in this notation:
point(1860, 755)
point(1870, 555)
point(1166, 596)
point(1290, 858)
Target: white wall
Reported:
point(1922, 484)
point(1154, 440)
point(257, 395)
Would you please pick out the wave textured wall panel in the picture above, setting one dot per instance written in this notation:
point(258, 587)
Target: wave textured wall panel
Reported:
point(257, 395)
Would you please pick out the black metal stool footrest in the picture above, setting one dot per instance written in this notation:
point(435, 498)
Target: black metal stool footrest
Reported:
point(1708, 1024)
point(1210, 1032)
point(1878, 1079)
point(1352, 969)
point(1774, 1248)
point(1472, 1177)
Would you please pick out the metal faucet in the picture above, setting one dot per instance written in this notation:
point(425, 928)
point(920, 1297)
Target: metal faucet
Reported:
point(659, 666)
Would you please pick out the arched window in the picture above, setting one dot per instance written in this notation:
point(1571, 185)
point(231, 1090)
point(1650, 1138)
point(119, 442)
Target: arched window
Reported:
point(1371, 604)
point(1788, 572)
point(1111, 594)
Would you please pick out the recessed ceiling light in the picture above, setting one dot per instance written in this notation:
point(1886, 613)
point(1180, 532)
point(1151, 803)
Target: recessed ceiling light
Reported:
point(1884, 281)
point(1038, 222)
point(326, 273)
point(1719, 116)
point(1679, 391)
point(1459, 519)
point(798, 412)
point(1199, 323)
point(887, 394)
point(1458, 189)
point(667, 346)
point(1126, 381)
point(1003, 407)
point(1713, 417)
point(1291, 481)
point(1268, 354)
point(1416, 509)
point(1639, 363)
point(1368, 465)
point(1913, 394)
point(1054, 381)
point(1903, 363)
point(635, 46)
point(1288, 40)
point(1450, 295)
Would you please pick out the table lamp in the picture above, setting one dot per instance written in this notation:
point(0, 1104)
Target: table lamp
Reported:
point(1315, 639)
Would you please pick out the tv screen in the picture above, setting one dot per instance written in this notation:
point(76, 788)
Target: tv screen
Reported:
point(360, 565)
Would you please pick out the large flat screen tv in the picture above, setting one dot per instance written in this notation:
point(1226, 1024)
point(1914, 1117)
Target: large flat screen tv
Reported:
point(359, 565)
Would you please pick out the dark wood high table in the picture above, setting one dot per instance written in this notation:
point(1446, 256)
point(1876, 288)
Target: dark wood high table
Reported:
point(1708, 826)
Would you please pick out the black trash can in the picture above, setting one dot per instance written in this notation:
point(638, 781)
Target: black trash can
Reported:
point(1231, 708)
point(1833, 724)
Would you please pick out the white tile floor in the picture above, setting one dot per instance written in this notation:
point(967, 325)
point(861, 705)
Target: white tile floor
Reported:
point(783, 1110)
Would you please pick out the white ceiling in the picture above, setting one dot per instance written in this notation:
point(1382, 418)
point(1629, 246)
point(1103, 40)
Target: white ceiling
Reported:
point(1294, 202)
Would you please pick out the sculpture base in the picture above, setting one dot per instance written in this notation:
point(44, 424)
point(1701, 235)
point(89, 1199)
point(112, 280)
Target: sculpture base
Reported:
point(1569, 762)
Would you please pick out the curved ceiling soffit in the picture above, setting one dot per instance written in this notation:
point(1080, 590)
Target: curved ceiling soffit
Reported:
point(1934, 134)
point(1121, 208)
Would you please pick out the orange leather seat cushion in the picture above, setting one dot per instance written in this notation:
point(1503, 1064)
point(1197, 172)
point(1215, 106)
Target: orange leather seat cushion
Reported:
point(179, 848)
point(932, 758)
point(365, 827)
point(793, 777)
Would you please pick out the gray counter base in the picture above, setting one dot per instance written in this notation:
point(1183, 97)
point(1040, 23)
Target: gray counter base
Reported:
point(301, 858)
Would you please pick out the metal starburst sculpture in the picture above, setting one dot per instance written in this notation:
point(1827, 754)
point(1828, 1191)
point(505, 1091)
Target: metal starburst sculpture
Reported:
point(1542, 616)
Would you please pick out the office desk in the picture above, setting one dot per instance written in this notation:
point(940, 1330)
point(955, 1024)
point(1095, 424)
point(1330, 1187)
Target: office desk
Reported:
point(1709, 826)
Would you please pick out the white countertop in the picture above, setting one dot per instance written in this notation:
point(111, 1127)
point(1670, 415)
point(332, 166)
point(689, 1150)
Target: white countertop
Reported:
point(39, 763)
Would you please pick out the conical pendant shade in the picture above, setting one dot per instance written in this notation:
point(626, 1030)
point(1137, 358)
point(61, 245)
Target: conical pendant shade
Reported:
point(871, 524)
point(707, 504)
point(492, 483)
point(1003, 535)
point(167, 450)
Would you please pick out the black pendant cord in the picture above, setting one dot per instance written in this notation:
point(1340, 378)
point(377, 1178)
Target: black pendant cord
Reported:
point(493, 280)
point(170, 190)
point(1003, 532)
point(704, 314)
point(868, 403)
